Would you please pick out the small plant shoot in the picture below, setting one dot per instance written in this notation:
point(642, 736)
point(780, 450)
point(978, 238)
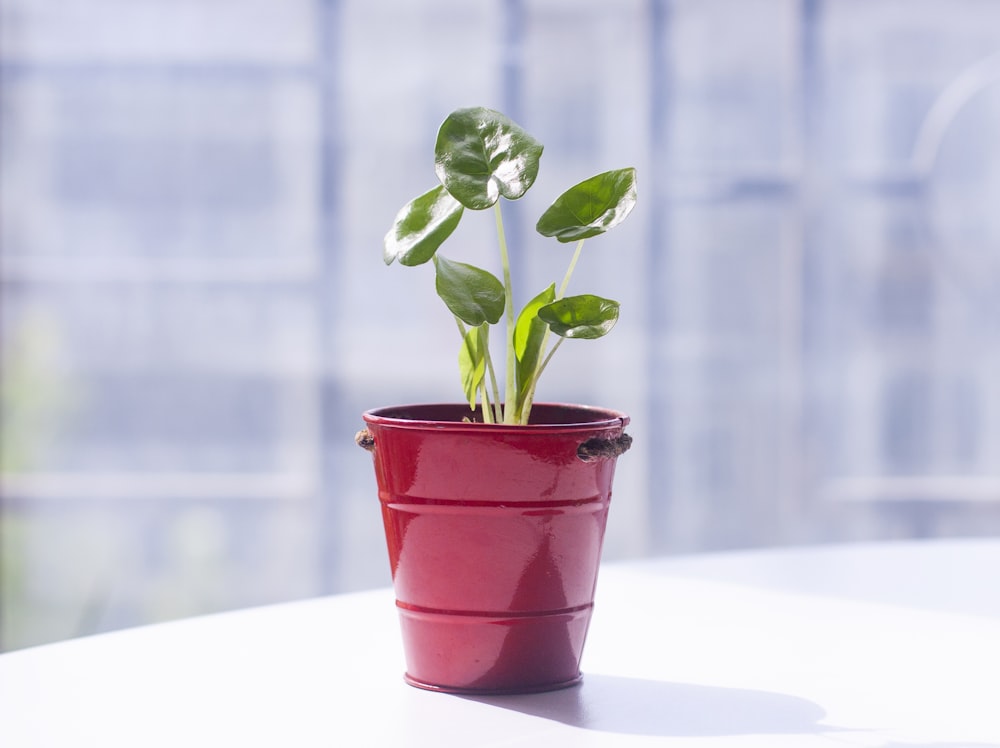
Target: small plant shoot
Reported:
point(482, 158)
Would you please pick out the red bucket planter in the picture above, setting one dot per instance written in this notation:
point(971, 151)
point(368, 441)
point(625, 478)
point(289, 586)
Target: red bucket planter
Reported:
point(494, 535)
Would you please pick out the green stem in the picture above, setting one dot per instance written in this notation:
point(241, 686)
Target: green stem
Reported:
point(529, 395)
point(570, 269)
point(484, 393)
point(487, 408)
point(461, 332)
point(483, 341)
point(491, 417)
point(510, 390)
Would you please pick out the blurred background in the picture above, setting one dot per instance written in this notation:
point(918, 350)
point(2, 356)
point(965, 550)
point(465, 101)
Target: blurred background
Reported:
point(194, 311)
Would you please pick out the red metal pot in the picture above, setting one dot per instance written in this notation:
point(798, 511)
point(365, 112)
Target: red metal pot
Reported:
point(494, 535)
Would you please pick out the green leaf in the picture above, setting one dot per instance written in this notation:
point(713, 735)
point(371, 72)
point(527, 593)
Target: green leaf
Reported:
point(471, 364)
point(421, 226)
point(473, 295)
point(590, 207)
point(585, 317)
point(529, 335)
point(480, 155)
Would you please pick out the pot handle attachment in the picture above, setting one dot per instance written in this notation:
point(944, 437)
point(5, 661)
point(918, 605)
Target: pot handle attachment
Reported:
point(596, 448)
point(365, 440)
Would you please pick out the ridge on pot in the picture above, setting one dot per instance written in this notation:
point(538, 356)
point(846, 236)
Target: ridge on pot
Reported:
point(494, 536)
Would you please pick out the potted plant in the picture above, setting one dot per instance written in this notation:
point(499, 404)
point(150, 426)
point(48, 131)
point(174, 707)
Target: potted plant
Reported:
point(495, 507)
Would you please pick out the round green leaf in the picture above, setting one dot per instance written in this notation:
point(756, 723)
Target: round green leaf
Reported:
point(585, 317)
point(421, 227)
point(590, 207)
point(473, 295)
point(480, 155)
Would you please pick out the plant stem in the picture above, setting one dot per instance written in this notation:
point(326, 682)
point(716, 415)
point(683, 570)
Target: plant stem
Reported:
point(569, 270)
point(529, 395)
point(462, 333)
point(510, 389)
point(484, 339)
point(487, 408)
point(484, 388)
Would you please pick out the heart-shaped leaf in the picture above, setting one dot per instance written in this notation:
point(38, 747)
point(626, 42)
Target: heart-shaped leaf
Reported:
point(472, 364)
point(472, 294)
point(421, 226)
point(480, 155)
point(590, 207)
point(585, 317)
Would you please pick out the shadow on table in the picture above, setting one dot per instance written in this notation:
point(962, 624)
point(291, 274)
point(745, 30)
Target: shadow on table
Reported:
point(646, 707)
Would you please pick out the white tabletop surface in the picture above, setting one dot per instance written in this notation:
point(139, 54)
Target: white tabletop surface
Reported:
point(889, 645)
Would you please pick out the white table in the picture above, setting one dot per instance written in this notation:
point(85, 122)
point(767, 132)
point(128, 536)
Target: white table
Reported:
point(894, 645)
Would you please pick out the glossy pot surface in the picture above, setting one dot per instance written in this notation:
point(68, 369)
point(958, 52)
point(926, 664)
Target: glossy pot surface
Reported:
point(494, 536)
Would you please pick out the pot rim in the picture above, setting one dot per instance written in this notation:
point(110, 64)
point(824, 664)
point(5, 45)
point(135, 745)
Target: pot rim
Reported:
point(575, 417)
